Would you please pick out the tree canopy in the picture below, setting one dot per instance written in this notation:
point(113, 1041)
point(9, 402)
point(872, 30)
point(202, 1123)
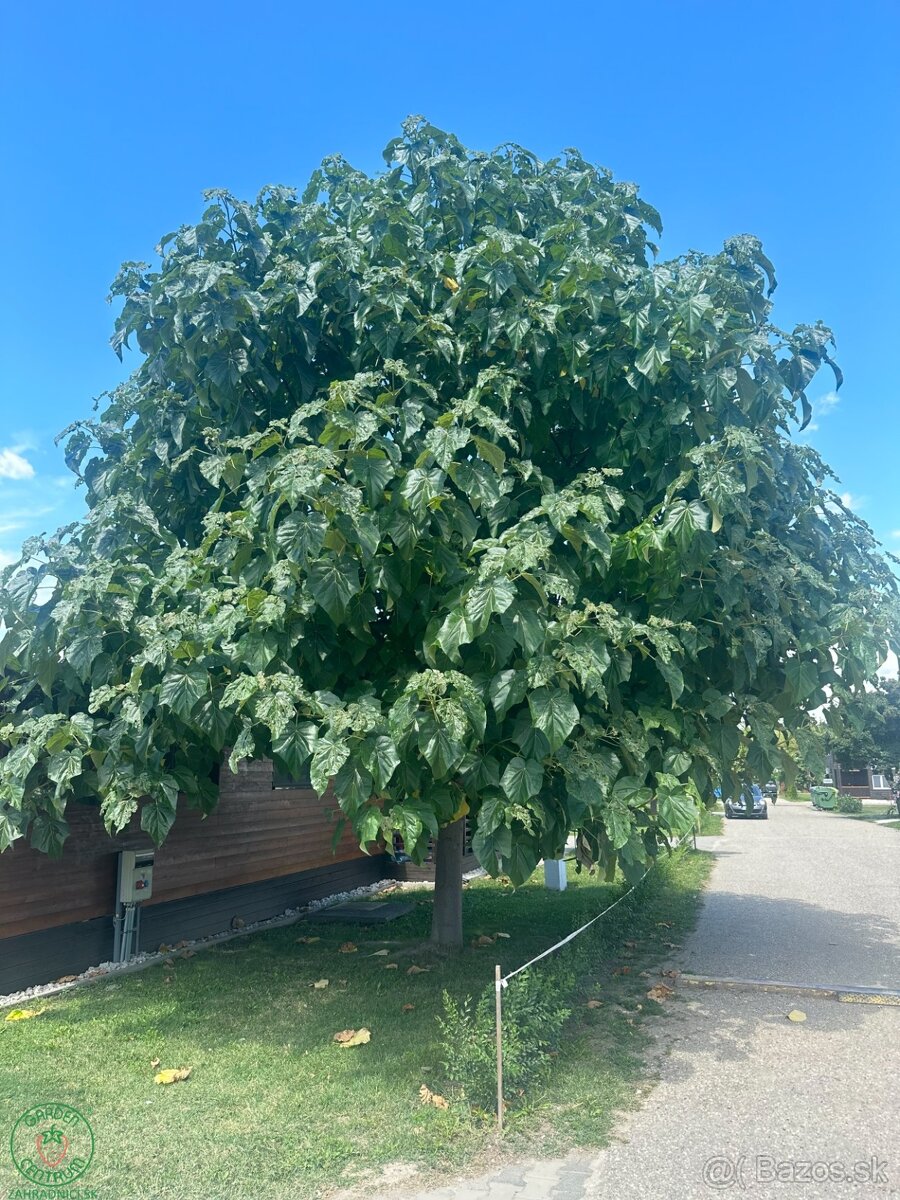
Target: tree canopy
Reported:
point(865, 728)
point(439, 481)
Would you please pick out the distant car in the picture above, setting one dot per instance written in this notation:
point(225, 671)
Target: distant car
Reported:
point(771, 790)
point(751, 803)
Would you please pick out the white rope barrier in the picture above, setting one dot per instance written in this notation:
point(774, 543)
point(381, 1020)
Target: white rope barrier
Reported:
point(502, 981)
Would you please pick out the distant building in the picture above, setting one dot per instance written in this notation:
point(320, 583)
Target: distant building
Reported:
point(860, 781)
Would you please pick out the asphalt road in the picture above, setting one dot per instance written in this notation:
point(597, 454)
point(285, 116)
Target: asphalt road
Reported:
point(747, 1102)
point(746, 1097)
point(804, 897)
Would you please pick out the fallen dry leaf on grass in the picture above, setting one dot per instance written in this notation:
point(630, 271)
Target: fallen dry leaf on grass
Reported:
point(414, 970)
point(172, 1075)
point(659, 991)
point(503, 935)
point(168, 962)
point(23, 1014)
point(308, 941)
point(408, 1007)
point(427, 1096)
point(67, 979)
point(320, 983)
point(796, 1015)
point(622, 971)
point(348, 948)
point(352, 1037)
point(483, 940)
point(379, 954)
point(664, 924)
point(155, 1063)
point(595, 1004)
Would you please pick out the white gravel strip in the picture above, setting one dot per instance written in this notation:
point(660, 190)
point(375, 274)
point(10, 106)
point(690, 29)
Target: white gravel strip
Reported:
point(147, 959)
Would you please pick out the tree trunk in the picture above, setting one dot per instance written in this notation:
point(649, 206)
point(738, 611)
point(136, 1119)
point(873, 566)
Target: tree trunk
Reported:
point(446, 922)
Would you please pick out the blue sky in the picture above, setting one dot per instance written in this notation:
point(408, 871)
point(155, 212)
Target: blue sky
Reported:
point(774, 119)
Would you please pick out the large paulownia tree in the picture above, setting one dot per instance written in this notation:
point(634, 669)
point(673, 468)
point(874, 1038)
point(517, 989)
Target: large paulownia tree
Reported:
point(439, 482)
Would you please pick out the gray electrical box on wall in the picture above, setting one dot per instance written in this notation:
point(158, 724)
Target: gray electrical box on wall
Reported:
point(135, 876)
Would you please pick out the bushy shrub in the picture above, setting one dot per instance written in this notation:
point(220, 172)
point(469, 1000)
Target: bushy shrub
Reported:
point(849, 804)
point(533, 1018)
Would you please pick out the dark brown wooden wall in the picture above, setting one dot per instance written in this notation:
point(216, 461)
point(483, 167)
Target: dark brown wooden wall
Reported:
point(254, 834)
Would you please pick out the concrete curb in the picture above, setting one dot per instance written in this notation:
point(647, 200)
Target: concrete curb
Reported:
point(849, 993)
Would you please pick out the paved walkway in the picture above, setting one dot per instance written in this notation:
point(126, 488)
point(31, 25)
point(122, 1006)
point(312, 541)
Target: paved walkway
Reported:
point(749, 1103)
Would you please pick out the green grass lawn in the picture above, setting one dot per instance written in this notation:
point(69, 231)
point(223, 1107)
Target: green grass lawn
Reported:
point(872, 814)
point(712, 822)
point(275, 1109)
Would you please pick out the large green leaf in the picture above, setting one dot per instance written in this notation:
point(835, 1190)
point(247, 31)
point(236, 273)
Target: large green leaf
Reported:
point(485, 599)
point(519, 864)
point(181, 688)
point(522, 779)
point(158, 817)
point(492, 847)
point(301, 533)
point(683, 520)
point(381, 758)
point(671, 672)
point(455, 631)
point(507, 689)
point(82, 651)
point(440, 749)
point(554, 713)
point(421, 487)
point(329, 756)
point(631, 792)
point(678, 811)
point(333, 583)
point(618, 820)
point(63, 768)
point(295, 745)
point(374, 471)
point(803, 677)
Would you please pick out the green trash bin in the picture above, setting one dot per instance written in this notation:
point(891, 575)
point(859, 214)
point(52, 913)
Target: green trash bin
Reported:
point(824, 796)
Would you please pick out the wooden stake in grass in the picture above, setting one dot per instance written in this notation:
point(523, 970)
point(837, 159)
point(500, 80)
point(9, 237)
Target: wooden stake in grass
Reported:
point(498, 1009)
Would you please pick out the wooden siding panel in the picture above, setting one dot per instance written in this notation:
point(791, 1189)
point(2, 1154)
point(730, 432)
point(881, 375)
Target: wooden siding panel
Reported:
point(43, 956)
point(254, 834)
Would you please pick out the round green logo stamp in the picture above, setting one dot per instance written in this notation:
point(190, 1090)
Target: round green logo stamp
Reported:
point(52, 1144)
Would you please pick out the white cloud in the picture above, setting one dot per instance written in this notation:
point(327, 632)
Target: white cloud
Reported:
point(14, 466)
point(854, 503)
point(826, 404)
point(7, 557)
